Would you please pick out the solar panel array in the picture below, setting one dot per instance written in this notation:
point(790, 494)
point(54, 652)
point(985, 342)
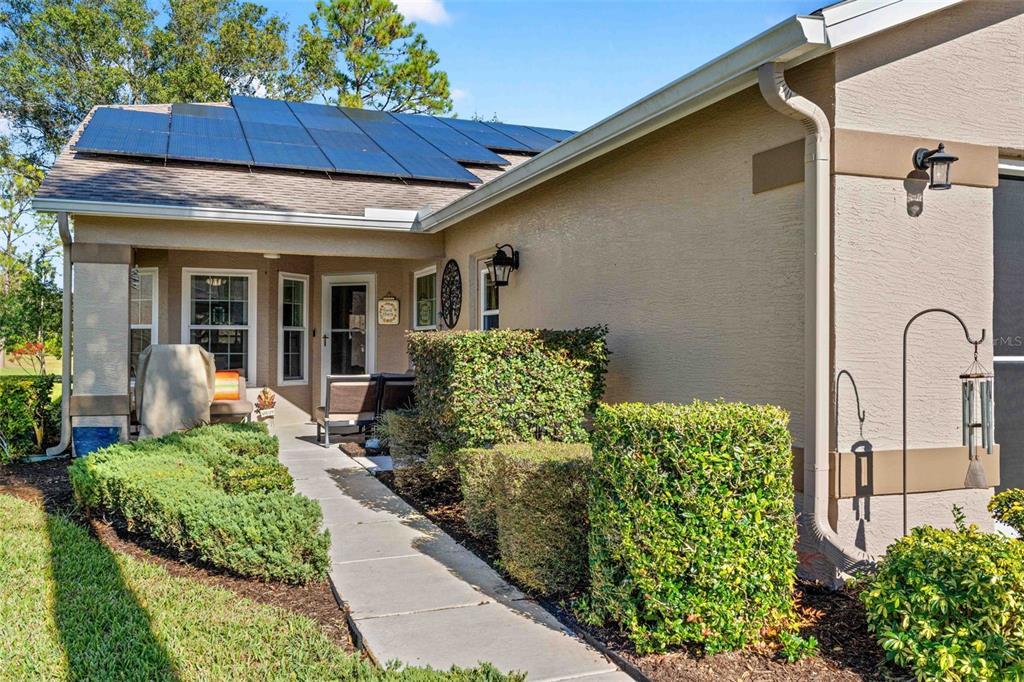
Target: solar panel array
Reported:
point(315, 137)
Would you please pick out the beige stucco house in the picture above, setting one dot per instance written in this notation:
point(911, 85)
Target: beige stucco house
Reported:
point(748, 232)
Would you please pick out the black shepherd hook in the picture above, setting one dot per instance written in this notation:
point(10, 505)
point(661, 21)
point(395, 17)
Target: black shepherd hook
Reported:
point(861, 414)
point(906, 329)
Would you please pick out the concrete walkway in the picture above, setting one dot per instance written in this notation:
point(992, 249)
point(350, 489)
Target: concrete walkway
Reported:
point(417, 596)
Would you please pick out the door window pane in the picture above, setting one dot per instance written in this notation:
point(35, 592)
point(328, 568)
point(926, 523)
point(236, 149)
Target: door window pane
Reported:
point(348, 352)
point(488, 302)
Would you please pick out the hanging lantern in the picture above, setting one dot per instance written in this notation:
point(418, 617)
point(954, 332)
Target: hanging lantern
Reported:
point(502, 263)
point(938, 164)
point(976, 393)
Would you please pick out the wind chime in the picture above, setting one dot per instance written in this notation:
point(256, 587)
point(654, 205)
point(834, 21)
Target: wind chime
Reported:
point(976, 391)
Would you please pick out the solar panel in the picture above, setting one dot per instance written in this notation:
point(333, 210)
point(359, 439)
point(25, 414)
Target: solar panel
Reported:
point(450, 141)
point(288, 156)
point(483, 134)
point(210, 127)
point(323, 116)
point(109, 140)
point(527, 136)
point(259, 110)
point(209, 148)
point(555, 134)
point(129, 119)
point(416, 155)
point(282, 134)
point(204, 111)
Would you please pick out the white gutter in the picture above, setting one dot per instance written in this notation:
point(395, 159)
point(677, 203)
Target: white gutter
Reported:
point(818, 317)
point(373, 219)
point(795, 40)
point(63, 227)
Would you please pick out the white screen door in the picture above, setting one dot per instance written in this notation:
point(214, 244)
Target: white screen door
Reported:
point(349, 309)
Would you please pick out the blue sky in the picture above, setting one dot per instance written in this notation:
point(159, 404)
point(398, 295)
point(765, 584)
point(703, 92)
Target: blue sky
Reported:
point(570, 63)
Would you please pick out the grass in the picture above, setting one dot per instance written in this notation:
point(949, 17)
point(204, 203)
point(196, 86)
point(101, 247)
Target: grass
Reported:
point(72, 609)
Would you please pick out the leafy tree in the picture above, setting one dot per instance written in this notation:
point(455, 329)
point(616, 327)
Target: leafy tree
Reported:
point(19, 225)
point(362, 53)
point(30, 316)
point(211, 49)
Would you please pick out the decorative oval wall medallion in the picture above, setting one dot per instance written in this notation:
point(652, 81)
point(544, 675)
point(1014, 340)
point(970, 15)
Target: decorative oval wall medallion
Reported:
point(451, 294)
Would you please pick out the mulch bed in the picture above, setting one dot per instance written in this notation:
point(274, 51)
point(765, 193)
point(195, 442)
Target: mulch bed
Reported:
point(47, 483)
point(847, 651)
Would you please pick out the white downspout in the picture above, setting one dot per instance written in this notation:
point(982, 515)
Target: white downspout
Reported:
point(817, 262)
point(64, 229)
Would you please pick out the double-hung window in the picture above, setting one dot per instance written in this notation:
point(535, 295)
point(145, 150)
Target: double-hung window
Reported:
point(219, 314)
point(488, 301)
point(293, 292)
point(142, 311)
point(425, 286)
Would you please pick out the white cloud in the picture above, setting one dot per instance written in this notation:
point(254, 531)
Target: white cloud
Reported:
point(5, 126)
point(459, 95)
point(427, 11)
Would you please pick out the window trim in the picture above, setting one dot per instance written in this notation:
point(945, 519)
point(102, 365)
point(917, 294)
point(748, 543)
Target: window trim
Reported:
point(154, 325)
point(431, 270)
point(484, 310)
point(281, 277)
point(186, 311)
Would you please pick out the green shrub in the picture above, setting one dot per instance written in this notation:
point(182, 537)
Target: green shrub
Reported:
point(794, 648)
point(476, 483)
point(405, 436)
point(590, 346)
point(541, 514)
point(29, 416)
point(950, 604)
point(692, 523)
point(477, 389)
point(1008, 507)
point(229, 510)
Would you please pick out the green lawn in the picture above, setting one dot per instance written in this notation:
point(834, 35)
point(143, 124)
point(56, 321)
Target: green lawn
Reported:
point(72, 609)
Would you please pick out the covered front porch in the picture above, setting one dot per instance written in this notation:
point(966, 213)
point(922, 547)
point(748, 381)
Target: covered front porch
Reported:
point(285, 306)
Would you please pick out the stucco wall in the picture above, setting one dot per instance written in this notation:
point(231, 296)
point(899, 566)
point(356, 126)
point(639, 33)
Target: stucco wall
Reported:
point(954, 75)
point(949, 77)
point(699, 280)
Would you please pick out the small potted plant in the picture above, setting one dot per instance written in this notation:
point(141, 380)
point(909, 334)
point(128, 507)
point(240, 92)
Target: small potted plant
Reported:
point(265, 403)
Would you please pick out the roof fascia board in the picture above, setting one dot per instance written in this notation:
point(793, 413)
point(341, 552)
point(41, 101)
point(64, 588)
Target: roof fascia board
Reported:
point(796, 39)
point(851, 21)
point(232, 215)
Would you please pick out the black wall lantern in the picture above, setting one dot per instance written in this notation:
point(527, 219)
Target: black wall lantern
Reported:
point(938, 163)
point(502, 263)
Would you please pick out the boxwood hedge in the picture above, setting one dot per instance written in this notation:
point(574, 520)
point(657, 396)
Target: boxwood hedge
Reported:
point(477, 389)
point(692, 523)
point(950, 604)
point(215, 493)
point(540, 508)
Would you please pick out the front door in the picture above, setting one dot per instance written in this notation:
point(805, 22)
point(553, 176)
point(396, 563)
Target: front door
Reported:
point(348, 324)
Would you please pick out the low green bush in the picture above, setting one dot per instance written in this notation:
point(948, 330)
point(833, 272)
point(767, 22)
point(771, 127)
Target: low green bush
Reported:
point(404, 435)
point(476, 483)
point(540, 493)
point(1008, 507)
point(692, 528)
point(949, 604)
point(478, 389)
point(29, 416)
point(224, 505)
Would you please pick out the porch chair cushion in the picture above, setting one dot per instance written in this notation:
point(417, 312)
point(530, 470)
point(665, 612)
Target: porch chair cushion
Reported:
point(227, 386)
point(230, 409)
point(351, 400)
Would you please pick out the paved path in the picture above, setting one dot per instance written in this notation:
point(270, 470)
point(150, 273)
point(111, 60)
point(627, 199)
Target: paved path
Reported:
point(417, 596)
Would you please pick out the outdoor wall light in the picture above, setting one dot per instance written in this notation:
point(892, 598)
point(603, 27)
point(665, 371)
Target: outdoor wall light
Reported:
point(937, 162)
point(502, 263)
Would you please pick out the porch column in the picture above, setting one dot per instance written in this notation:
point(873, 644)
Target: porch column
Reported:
point(99, 401)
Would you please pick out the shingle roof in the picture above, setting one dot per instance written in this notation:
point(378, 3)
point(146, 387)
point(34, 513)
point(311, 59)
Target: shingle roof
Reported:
point(119, 179)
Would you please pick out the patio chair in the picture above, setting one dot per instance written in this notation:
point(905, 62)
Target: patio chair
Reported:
point(351, 402)
point(395, 392)
point(229, 402)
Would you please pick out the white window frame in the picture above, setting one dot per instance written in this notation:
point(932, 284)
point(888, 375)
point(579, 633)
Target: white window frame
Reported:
point(416, 276)
point(326, 281)
point(484, 310)
point(186, 311)
point(154, 325)
point(281, 329)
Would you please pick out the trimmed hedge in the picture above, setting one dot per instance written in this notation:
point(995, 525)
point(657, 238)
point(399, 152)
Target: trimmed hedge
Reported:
point(950, 604)
point(479, 494)
point(478, 389)
point(212, 493)
point(541, 514)
point(1008, 507)
point(692, 523)
point(26, 405)
point(405, 436)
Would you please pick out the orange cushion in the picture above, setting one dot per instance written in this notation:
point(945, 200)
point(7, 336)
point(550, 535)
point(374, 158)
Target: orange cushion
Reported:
point(226, 386)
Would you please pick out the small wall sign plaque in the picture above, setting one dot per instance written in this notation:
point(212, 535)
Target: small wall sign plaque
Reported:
point(388, 310)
